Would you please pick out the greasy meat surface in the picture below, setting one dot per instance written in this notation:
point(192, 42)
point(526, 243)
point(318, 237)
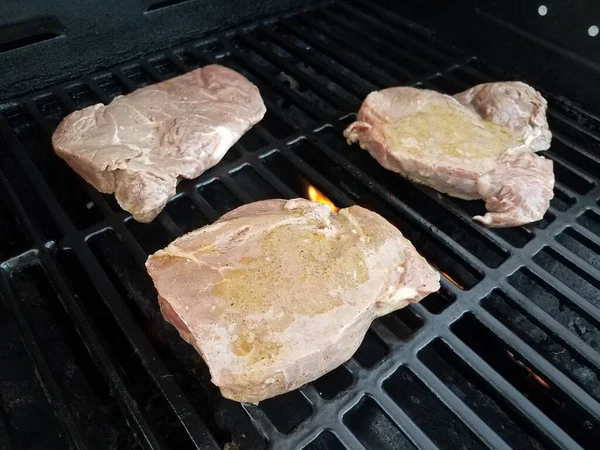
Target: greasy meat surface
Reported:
point(141, 144)
point(478, 144)
point(277, 293)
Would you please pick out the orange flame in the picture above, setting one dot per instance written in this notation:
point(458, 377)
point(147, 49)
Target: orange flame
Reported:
point(531, 373)
point(317, 196)
point(453, 281)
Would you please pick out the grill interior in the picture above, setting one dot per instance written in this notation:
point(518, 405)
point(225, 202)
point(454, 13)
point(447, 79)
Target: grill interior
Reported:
point(504, 356)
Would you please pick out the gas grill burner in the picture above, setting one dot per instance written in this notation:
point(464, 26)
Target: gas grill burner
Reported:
point(504, 356)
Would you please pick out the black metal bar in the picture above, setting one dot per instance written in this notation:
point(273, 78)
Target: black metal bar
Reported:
point(47, 380)
point(341, 38)
point(545, 320)
point(395, 35)
point(84, 326)
point(192, 423)
point(549, 372)
point(379, 79)
point(518, 401)
point(581, 303)
point(404, 422)
point(456, 405)
point(304, 55)
point(279, 86)
point(318, 88)
point(397, 21)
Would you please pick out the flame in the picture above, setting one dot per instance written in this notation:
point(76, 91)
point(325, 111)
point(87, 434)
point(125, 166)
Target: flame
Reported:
point(531, 373)
point(453, 281)
point(317, 196)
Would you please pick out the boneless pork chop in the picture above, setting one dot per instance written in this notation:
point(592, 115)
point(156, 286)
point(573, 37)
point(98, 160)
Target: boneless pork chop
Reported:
point(277, 293)
point(478, 144)
point(141, 144)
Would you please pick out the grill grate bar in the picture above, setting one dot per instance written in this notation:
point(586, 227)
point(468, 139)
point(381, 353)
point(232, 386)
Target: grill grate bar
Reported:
point(573, 124)
point(561, 161)
point(374, 76)
point(456, 405)
point(37, 181)
point(318, 88)
point(347, 438)
point(385, 335)
point(545, 320)
point(409, 26)
point(342, 39)
point(201, 203)
point(519, 402)
point(300, 101)
point(584, 306)
point(235, 189)
point(274, 181)
point(590, 272)
point(592, 237)
point(84, 326)
point(262, 423)
point(305, 55)
point(385, 46)
point(178, 402)
point(557, 378)
point(47, 380)
point(404, 422)
point(393, 33)
point(587, 155)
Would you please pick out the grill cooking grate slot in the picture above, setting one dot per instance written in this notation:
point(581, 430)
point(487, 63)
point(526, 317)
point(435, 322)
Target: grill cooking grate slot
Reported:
point(373, 428)
point(411, 394)
point(564, 411)
point(505, 355)
point(477, 394)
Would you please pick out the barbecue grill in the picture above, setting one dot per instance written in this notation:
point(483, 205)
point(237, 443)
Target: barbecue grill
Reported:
point(506, 355)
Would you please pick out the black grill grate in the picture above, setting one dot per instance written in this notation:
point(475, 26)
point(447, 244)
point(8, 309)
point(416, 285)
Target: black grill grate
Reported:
point(505, 355)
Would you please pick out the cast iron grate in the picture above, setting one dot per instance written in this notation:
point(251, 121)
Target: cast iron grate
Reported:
point(505, 355)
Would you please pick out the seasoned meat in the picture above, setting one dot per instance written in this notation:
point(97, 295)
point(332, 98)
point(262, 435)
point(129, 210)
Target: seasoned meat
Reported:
point(277, 293)
point(141, 144)
point(478, 144)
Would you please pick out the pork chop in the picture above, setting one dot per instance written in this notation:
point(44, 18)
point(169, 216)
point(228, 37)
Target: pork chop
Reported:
point(141, 144)
point(478, 144)
point(277, 293)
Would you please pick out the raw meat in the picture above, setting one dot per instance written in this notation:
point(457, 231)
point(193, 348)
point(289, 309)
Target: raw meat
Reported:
point(277, 293)
point(478, 144)
point(141, 144)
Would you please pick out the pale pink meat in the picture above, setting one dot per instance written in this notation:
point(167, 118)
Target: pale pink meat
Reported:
point(277, 293)
point(478, 144)
point(142, 144)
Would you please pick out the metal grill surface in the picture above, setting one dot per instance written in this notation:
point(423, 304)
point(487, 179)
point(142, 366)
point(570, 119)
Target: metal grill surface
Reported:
point(504, 356)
